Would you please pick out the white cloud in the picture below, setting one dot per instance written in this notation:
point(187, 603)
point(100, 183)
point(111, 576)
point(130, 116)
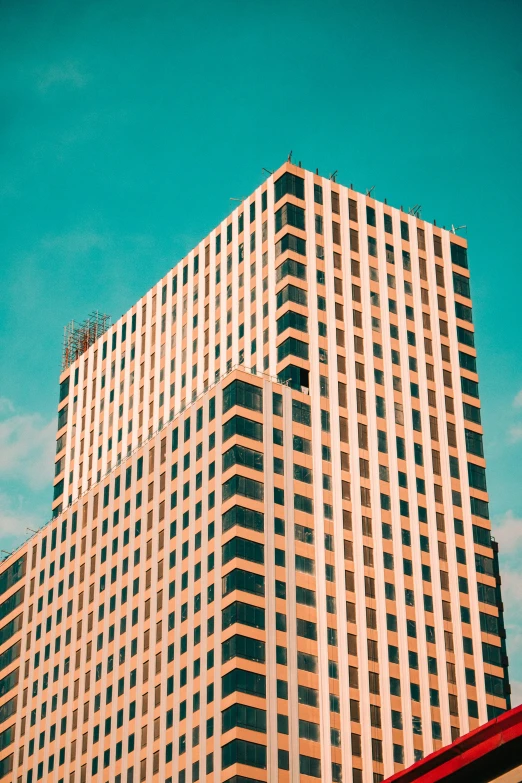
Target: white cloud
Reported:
point(507, 530)
point(508, 533)
point(26, 447)
point(6, 406)
point(75, 242)
point(66, 74)
point(516, 693)
point(515, 433)
point(17, 514)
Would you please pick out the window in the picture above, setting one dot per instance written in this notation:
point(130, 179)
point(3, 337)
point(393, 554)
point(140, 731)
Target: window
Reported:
point(288, 184)
point(308, 765)
point(494, 685)
point(244, 517)
point(301, 412)
point(240, 485)
point(459, 255)
point(477, 477)
point(242, 716)
point(292, 347)
point(461, 285)
point(241, 455)
point(292, 320)
point(243, 647)
point(304, 564)
point(291, 293)
point(243, 681)
point(474, 443)
point(291, 215)
point(244, 549)
point(290, 242)
point(467, 362)
point(306, 629)
point(463, 312)
point(243, 394)
point(243, 752)
point(244, 614)
point(238, 425)
point(291, 268)
point(471, 388)
point(244, 581)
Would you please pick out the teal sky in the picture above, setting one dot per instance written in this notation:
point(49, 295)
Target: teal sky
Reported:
point(126, 127)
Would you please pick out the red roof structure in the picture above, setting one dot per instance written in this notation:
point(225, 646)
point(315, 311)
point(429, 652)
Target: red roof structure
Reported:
point(481, 756)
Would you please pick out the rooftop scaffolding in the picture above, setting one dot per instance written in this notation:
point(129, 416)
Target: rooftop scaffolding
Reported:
point(78, 337)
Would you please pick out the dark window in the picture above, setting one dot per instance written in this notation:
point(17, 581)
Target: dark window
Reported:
point(245, 717)
point(246, 395)
point(459, 255)
point(238, 425)
point(244, 549)
point(241, 455)
point(243, 580)
point(244, 682)
point(243, 614)
point(292, 347)
point(292, 320)
point(291, 268)
point(243, 752)
point(288, 184)
point(461, 285)
point(290, 242)
point(289, 215)
point(244, 517)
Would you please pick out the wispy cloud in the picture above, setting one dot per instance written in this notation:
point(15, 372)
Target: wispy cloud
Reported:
point(516, 693)
point(26, 447)
point(515, 433)
point(6, 406)
point(66, 74)
point(75, 242)
point(508, 532)
point(18, 517)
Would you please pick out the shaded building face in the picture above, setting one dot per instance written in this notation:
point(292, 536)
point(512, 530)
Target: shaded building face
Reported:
point(270, 553)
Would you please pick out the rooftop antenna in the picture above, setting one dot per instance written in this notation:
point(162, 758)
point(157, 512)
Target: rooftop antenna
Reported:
point(369, 192)
point(415, 210)
point(290, 156)
point(454, 229)
point(267, 171)
point(332, 176)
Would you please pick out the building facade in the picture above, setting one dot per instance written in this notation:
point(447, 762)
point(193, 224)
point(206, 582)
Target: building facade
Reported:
point(270, 555)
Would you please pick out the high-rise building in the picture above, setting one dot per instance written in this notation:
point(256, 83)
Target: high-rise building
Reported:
point(270, 555)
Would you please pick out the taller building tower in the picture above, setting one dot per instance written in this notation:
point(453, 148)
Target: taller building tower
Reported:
point(270, 555)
